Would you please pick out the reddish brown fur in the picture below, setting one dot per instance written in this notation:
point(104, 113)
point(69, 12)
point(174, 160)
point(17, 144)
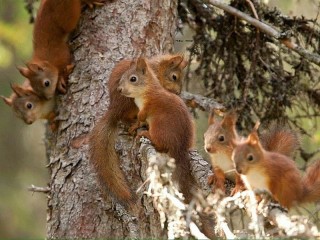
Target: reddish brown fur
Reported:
point(226, 128)
point(284, 181)
point(170, 123)
point(24, 94)
point(280, 139)
point(102, 140)
point(51, 60)
point(276, 138)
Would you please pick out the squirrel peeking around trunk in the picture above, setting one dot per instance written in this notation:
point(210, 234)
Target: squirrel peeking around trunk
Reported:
point(168, 69)
point(170, 126)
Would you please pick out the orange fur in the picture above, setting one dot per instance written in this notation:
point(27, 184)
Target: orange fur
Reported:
point(27, 105)
point(278, 139)
point(169, 121)
point(279, 173)
point(121, 108)
point(51, 60)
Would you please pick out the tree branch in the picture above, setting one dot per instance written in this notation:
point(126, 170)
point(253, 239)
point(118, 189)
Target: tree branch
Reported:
point(313, 57)
point(201, 102)
point(39, 189)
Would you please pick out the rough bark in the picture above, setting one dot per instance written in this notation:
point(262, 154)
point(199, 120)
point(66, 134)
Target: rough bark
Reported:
point(76, 209)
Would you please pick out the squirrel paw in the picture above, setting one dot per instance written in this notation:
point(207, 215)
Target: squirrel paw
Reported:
point(133, 128)
point(237, 189)
point(217, 183)
point(143, 133)
point(62, 86)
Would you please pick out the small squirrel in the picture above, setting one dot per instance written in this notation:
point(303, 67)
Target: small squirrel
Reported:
point(219, 143)
point(50, 65)
point(103, 156)
point(28, 106)
point(170, 124)
point(276, 173)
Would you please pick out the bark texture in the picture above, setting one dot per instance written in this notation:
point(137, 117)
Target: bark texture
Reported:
point(76, 209)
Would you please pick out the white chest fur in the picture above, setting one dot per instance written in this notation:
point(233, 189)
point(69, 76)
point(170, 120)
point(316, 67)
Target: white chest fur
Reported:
point(255, 180)
point(222, 161)
point(139, 102)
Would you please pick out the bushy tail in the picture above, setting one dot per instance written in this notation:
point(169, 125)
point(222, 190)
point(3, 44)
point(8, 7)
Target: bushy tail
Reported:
point(105, 160)
point(311, 183)
point(280, 139)
point(182, 174)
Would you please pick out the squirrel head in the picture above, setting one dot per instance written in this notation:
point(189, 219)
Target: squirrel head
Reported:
point(26, 104)
point(220, 136)
point(170, 72)
point(247, 153)
point(43, 78)
point(136, 79)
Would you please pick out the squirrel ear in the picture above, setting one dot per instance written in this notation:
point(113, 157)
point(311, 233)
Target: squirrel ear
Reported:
point(183, 64)
point(230, 119)
point(175, 61)
point(7, 101)
point(142, 65)
point(18, 89)
point(211, 118)
point(178, 62)
point(253, 138)
point(69, 68)
point(25, 71)
point(34, 67)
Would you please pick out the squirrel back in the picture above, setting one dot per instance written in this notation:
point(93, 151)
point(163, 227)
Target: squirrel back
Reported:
point(28, 106)
point(170, 124)
point(51, 60)
point(276, 173)
point(103, 136)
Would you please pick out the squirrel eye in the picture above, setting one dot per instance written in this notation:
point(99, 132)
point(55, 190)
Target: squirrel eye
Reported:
point(29, 105)
point(133, 79)
point(174, 77)
point(250, 157)
point(221, 138)
point(47, 83)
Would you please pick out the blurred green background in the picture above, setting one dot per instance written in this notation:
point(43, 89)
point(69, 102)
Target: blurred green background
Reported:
point(22, 152)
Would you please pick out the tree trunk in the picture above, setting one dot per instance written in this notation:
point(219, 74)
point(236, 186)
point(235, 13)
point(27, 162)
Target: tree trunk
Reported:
point(118, 30)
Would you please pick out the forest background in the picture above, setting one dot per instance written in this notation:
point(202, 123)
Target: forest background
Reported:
point(22, 151)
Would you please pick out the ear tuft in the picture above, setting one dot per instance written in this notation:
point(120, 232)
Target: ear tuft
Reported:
point(20, 91)
point(175, 61)
point(7, 101)
point(25, 71)
point(211, 118)
point(253, 138)
point(230, 118)
point(34, 67)
point(142, 65)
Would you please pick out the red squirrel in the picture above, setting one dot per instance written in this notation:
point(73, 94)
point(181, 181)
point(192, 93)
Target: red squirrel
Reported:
point(170, 124)
point(219, 143)
point(276, 173)
point(28, 106)
point(103, 156)
point(51, 60)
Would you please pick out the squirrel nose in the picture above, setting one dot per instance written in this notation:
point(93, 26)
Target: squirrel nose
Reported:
point(119, 89)
point(28, 121)
point(238, 169)
point(208, 149)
